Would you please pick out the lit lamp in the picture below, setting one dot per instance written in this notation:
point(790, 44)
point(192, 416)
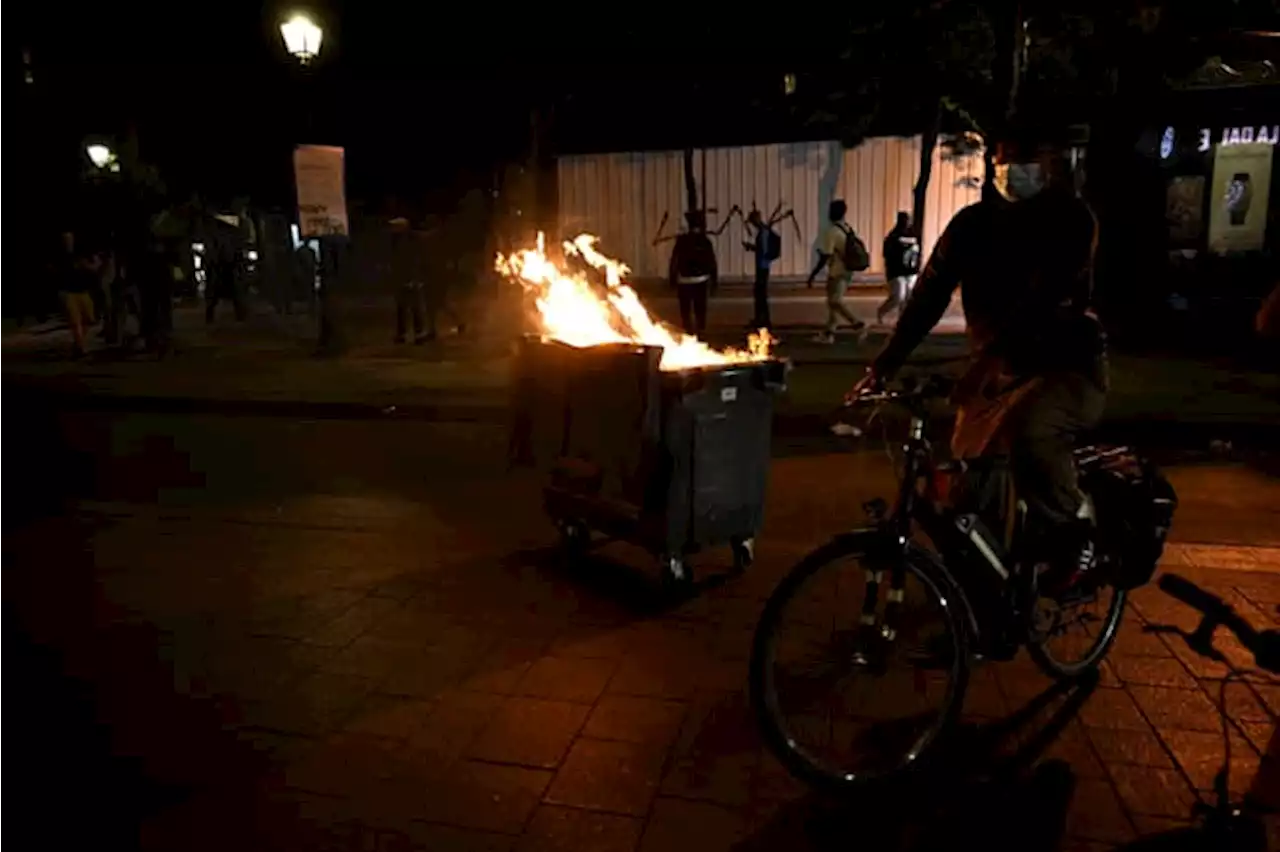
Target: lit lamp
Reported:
point(102, 157)
point(301, 38)
point(788, 84)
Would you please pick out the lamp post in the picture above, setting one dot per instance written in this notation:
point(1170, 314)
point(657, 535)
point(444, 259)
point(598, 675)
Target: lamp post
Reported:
point(302, 39)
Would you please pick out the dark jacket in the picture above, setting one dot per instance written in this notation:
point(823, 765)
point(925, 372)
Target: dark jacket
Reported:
point(407, 256)
point(77, 273)
point(693, 257)
point(1026, 278)
point(901, 253)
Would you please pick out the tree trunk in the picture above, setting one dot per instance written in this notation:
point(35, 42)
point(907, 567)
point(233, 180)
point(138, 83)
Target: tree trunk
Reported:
point(1011, 40)
point(928, 144)
point(690, 183)
point(988, 168)
point(1018, 60)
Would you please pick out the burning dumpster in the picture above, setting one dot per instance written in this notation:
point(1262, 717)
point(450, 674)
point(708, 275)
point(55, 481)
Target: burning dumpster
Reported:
point(645, 435)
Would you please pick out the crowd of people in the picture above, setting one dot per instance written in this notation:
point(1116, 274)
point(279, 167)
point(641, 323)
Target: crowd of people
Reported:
point(125, 292)
point(694, 270)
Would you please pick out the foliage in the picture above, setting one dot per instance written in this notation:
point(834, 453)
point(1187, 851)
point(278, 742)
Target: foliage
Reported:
point(888, 69)
point(892, 70)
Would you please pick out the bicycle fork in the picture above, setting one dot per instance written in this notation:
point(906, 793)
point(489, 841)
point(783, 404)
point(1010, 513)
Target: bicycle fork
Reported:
point(883, 565)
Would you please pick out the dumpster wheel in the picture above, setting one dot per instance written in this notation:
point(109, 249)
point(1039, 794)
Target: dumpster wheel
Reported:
point(744, 553)
point(675, 572)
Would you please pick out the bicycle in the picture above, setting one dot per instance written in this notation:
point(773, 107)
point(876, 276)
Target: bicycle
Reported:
point(988, 604)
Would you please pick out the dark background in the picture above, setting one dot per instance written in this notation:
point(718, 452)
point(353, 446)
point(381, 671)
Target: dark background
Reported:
point(420, 99)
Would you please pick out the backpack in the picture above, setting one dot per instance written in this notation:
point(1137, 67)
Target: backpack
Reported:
point(911, 259)
point(772, 245)
point(855, 256)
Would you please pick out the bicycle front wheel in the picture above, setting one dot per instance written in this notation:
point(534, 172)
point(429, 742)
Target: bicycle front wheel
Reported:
point(859, 668)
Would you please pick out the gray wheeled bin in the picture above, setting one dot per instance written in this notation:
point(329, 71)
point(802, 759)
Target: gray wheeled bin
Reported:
point(672, 461)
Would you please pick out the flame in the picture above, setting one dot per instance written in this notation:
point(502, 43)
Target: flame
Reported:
point(574, 311)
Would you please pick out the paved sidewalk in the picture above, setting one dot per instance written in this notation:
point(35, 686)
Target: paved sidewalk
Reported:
point(384, 670)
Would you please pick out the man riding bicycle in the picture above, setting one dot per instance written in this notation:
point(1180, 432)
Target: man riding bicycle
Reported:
point(1038, 377)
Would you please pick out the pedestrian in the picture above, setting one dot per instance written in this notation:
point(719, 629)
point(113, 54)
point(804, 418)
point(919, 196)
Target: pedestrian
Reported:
point(153, 275)
point(302, 277)
point(407, 278)
point(901, 265)
point(767, 247)
point(122, 298)
point(222, 253)
point(841, 254)
point(694, 273)
point(441, 291)
point(78, 275)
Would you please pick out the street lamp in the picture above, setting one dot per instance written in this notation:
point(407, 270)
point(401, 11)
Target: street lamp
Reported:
point(302, 38)
point(102, 157)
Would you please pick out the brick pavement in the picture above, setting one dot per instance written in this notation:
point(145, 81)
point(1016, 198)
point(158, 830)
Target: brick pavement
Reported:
point(367, 669)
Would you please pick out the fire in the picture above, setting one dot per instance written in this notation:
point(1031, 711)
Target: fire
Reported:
point(574, 311)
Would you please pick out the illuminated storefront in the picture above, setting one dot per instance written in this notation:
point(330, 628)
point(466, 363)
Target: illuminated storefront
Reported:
point(1219, 184)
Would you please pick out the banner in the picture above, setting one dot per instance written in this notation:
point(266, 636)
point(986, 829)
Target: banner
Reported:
point(322, 202)
point(1239, 196)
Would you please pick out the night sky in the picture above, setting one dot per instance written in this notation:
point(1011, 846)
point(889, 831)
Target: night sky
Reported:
point(419, 99)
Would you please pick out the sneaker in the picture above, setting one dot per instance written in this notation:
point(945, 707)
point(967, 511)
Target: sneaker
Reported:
point(824, 337)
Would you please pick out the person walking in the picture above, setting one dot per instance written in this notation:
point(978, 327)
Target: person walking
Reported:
point(901, 265)
point(302, 278)
point(224, 252)
point(841, 255)
point(767, 247)
point(407, 268)
point(694, 273)
point(154, 277)
point(443, 293)
point(78, 274)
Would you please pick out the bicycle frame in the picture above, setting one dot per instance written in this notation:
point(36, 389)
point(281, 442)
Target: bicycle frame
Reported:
point(994, 604)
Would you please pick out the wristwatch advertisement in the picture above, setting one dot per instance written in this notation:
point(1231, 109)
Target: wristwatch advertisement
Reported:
point(1238, 198)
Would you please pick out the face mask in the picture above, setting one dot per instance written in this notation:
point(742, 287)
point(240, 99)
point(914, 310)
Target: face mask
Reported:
point(1018, 181)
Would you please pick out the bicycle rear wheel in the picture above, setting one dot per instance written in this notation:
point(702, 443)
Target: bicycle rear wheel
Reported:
point(922, 660)
point(1073, 637)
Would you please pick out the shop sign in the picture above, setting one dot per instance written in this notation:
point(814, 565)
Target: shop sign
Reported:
point(1249, 135)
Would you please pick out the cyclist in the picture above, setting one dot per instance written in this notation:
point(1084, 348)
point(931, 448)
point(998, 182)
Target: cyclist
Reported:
point(1023, 258)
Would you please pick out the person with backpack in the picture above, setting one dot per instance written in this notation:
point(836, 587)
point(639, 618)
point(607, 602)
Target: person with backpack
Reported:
point(767, 247)
point(901, 265)
point(842, 254)
point(694, 272)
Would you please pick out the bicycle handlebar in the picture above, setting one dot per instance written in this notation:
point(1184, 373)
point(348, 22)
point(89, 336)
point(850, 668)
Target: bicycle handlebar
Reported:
point(909, 390)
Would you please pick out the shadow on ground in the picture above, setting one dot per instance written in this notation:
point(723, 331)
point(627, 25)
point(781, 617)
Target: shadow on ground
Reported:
point(988, 789)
